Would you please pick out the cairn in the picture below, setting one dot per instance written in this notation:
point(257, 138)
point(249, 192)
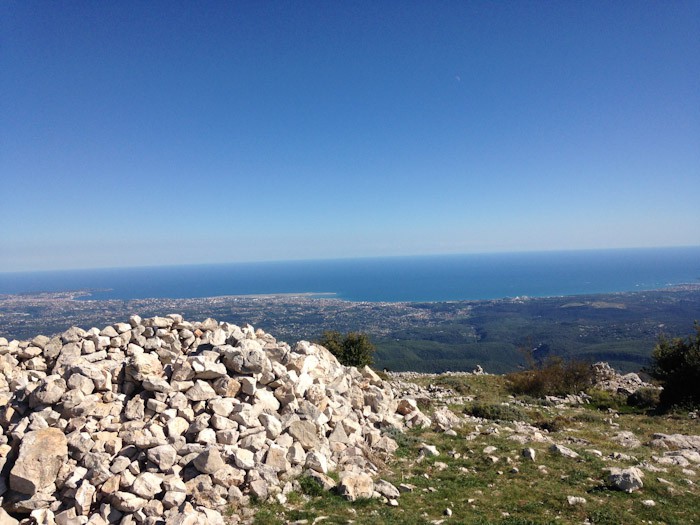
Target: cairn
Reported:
point(162, 421)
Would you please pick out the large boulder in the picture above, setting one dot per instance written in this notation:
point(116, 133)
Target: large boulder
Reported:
point(625, 479)
point(356, 485)
point(42, 453)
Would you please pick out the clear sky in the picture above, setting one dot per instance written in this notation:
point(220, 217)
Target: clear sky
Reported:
point(145, 133)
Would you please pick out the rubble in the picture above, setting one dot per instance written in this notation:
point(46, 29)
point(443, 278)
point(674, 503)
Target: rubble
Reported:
point(162, 420)
point(608, 379)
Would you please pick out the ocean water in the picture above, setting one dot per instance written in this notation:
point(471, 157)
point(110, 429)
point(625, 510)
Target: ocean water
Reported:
point(424, 278)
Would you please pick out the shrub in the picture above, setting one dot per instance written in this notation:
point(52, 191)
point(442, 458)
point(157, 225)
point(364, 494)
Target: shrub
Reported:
point(354, 349)
point(556, 424)
point(554, 377)
point(647, 397)
point(496, 412)
point(606, 400)
point(676, 363)
point(455, 383)
point(310, 486)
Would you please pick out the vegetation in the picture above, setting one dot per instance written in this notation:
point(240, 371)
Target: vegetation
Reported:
point(480, 491)
point(354, 349)
point(497, 412)
point(677, 365)
point(554, 377)
point(647, 397)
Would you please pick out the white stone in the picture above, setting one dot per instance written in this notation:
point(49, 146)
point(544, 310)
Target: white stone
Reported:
point(627, 480)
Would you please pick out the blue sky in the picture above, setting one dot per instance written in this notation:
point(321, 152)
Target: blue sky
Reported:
point(145, 133)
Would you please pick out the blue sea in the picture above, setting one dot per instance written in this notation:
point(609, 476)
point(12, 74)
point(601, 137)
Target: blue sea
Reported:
point(424, 278)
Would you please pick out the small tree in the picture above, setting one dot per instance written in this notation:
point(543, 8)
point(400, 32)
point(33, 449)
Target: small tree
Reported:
point(354, 349)
point(677, 366)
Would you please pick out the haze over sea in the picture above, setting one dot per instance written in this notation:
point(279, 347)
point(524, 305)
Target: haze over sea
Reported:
point(425, 278)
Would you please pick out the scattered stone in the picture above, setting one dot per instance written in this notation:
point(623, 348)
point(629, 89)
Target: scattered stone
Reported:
point(209, 461)
point(627, 439)
point(626, 480)
point(563, 451)
point(354, 486)
point(386, 489)
point(676, 442)
point(428, 450)
point(575, 500)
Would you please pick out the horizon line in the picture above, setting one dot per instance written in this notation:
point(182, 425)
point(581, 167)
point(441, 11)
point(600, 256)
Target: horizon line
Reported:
point(348, 258)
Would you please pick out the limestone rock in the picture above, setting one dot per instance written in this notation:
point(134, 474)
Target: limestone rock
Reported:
point(305, 433)
point(41, 455)
point(529, 453)
point(386, 489)
point(563, 451)
point(6, 519)
point(147, 485)
point(627, 439)
point(144, 365)
point(127, 502)
point(428, 450)
point(209, 461)
point(626, 480)
point(354, 485)
point(111, 422)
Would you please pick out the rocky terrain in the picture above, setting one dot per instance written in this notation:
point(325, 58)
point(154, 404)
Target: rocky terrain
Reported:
point(163, 420)
point(166, 421)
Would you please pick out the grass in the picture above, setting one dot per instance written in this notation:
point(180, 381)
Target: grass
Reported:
point(481, 492)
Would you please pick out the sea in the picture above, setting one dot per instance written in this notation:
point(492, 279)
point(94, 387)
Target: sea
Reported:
point(387, 279)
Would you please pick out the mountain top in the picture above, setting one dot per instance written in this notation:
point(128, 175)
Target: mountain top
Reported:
point(165, 421)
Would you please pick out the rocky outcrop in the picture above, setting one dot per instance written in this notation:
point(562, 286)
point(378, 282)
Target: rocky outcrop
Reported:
point(608, 379)
point(676, 442)
point(163, 420)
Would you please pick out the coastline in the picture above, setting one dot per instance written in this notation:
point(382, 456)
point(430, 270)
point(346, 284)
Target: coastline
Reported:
point(619, 327)
point(405, 279)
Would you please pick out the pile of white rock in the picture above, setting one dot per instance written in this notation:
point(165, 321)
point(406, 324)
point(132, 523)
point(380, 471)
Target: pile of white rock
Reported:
point(164, 421)
point(607, 378)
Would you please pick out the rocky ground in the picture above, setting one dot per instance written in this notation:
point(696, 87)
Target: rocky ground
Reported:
point(165, 421)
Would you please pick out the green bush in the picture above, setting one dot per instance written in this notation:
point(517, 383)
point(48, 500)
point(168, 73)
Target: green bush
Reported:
point(676, 363)
point(310, 486)
point(554, 377)
point(556, 424)
point(456, 383)
point(606, 400)
point(353, 349)
point(496, 412)
point(647, 397)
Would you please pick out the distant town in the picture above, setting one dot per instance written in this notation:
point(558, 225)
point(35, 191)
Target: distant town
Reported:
point(621, 328)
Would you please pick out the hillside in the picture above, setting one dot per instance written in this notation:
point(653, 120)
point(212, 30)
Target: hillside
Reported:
point(166, 421)
point(536, 462)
